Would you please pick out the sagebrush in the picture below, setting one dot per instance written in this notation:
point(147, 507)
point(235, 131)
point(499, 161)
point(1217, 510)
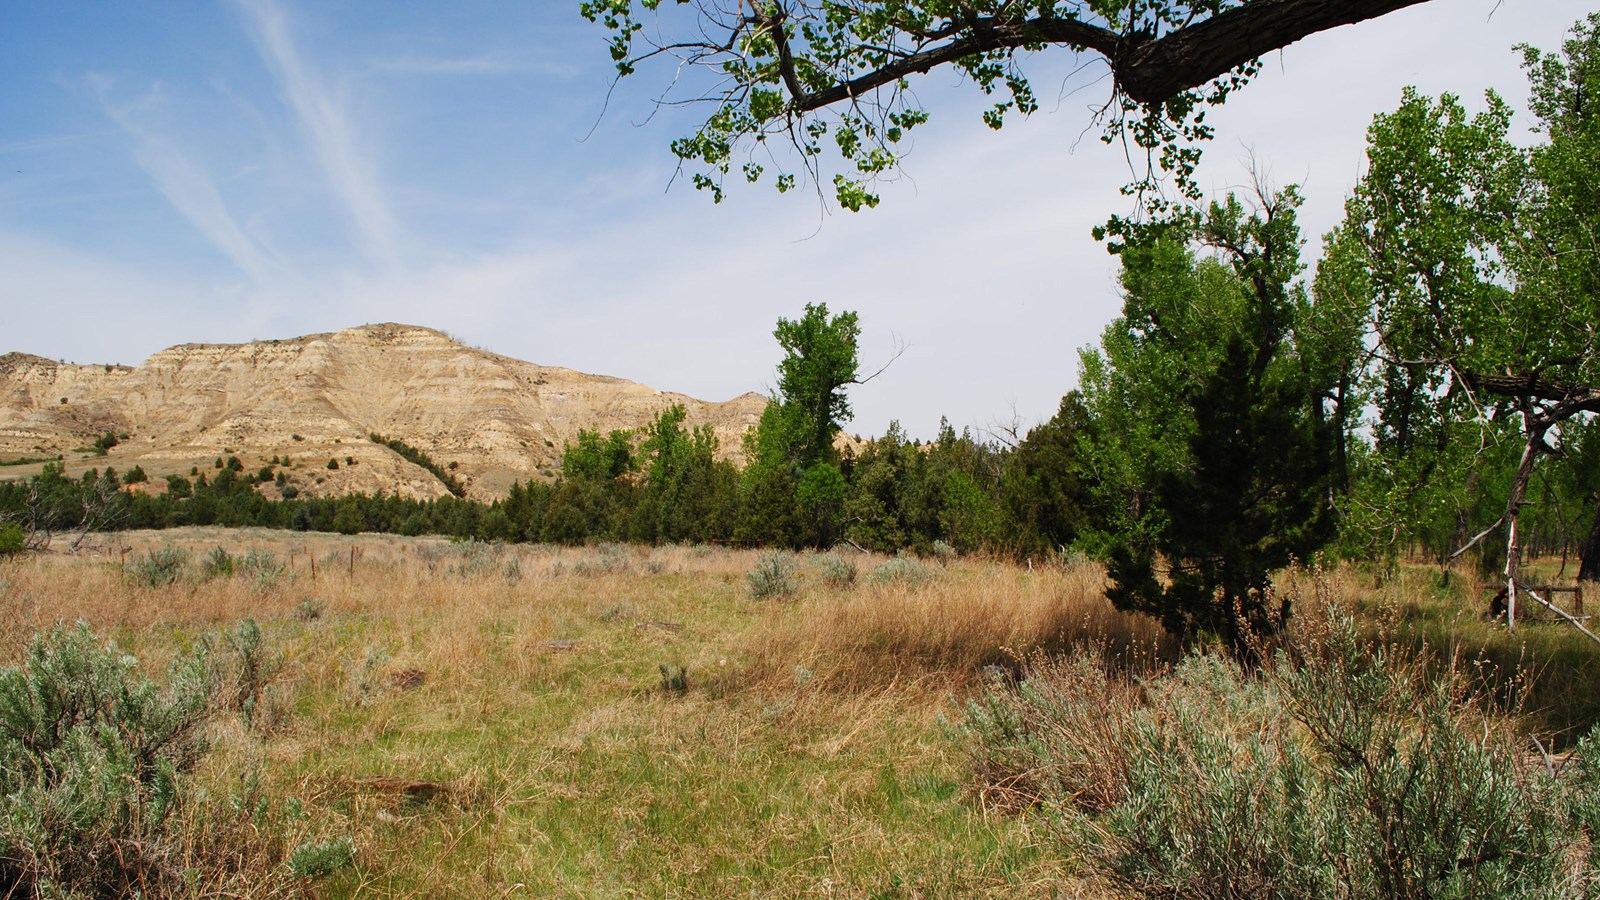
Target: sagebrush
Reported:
point(1342, 769)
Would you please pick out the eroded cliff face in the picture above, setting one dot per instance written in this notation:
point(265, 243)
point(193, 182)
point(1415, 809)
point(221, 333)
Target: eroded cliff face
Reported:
point(493, 419)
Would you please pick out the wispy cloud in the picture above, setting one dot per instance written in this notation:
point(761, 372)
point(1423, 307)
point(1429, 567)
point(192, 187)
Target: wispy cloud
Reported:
point(487, 64)
point(42, 143)
point(185, 183)
point(327, 124)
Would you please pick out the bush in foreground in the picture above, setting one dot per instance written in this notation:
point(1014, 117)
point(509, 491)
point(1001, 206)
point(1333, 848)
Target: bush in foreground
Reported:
point(1341, 770)
point(95, 791)
point(91, 758)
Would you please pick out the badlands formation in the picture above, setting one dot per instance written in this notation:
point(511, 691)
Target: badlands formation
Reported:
point(490, 419)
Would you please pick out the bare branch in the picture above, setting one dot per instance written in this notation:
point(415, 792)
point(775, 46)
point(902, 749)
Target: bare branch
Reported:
point(900, 347)
point(985, 35)
point(1569, 399)
point(1558, 611)
point(1475, 539)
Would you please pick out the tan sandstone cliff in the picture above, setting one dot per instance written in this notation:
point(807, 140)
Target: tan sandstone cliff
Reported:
point(491, 418)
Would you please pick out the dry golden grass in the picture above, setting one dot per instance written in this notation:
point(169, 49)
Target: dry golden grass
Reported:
point(524, 682)
point(1544, 672)
point(810, 753)
point(946, 629)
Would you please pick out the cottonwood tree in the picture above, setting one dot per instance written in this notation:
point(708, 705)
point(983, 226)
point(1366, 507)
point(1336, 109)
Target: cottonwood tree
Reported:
point(832, 78)
point(1481, 260)
point(595, 490)
point(794, 492)
point(1586, 467)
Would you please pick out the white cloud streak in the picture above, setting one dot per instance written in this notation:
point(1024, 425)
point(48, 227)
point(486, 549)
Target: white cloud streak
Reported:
point(328, 125)
point(187, 185)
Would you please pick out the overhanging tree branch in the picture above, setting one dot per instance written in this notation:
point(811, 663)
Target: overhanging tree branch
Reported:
point(1570, 399)
point(1155, 71)
point(1148, 71)
point(987, 35)
point(836, 72)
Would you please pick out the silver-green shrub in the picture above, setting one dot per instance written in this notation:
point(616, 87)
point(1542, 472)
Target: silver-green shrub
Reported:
point(1343, 769)
point(838, 571)
point(92, 758)
point(263, 566)
point(773, 576)
point(902, 570)
point(310, 609)
point(608, 559)
point(159, 568)
point(219, 563)
point(248, 671)
point(318, 858)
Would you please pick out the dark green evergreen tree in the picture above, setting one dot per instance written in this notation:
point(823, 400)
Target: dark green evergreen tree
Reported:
point(1045, 485)
point(1243, 487)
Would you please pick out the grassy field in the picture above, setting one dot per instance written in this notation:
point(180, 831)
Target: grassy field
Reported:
point(494, 721)
point(620, 721)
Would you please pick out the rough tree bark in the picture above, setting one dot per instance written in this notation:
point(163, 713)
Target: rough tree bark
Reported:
point(1149, 71)
point(1192, 56)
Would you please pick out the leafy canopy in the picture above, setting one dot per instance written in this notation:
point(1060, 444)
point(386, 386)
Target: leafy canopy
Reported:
point(807, 86)
point(1479, 264)
point(793, 489)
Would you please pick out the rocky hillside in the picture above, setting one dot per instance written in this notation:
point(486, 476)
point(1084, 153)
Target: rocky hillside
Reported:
point(489, 419)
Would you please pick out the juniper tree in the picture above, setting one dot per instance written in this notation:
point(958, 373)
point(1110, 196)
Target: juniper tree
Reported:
point(1215, 419)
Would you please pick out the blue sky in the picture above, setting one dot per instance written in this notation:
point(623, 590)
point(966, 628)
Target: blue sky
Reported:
point(244, 169)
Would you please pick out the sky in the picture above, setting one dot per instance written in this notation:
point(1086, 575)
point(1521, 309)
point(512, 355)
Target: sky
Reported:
point(236, 170)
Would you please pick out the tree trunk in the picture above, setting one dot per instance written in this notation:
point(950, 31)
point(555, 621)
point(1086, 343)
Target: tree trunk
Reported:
point(1519, 487)
point(1154, 71)
point(1589, 552)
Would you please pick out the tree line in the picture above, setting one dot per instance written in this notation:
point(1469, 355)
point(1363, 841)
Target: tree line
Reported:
point(665, 484)
point(1429, 388)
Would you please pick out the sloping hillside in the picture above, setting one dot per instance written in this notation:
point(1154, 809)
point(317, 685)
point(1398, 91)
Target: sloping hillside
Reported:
point(489, 419)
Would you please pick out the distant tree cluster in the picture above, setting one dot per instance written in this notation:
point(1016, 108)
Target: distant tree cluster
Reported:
point(419, 458)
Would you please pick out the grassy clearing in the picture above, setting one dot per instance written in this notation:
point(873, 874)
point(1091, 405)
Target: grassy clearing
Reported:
point(497, 720)
point(489, 720)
